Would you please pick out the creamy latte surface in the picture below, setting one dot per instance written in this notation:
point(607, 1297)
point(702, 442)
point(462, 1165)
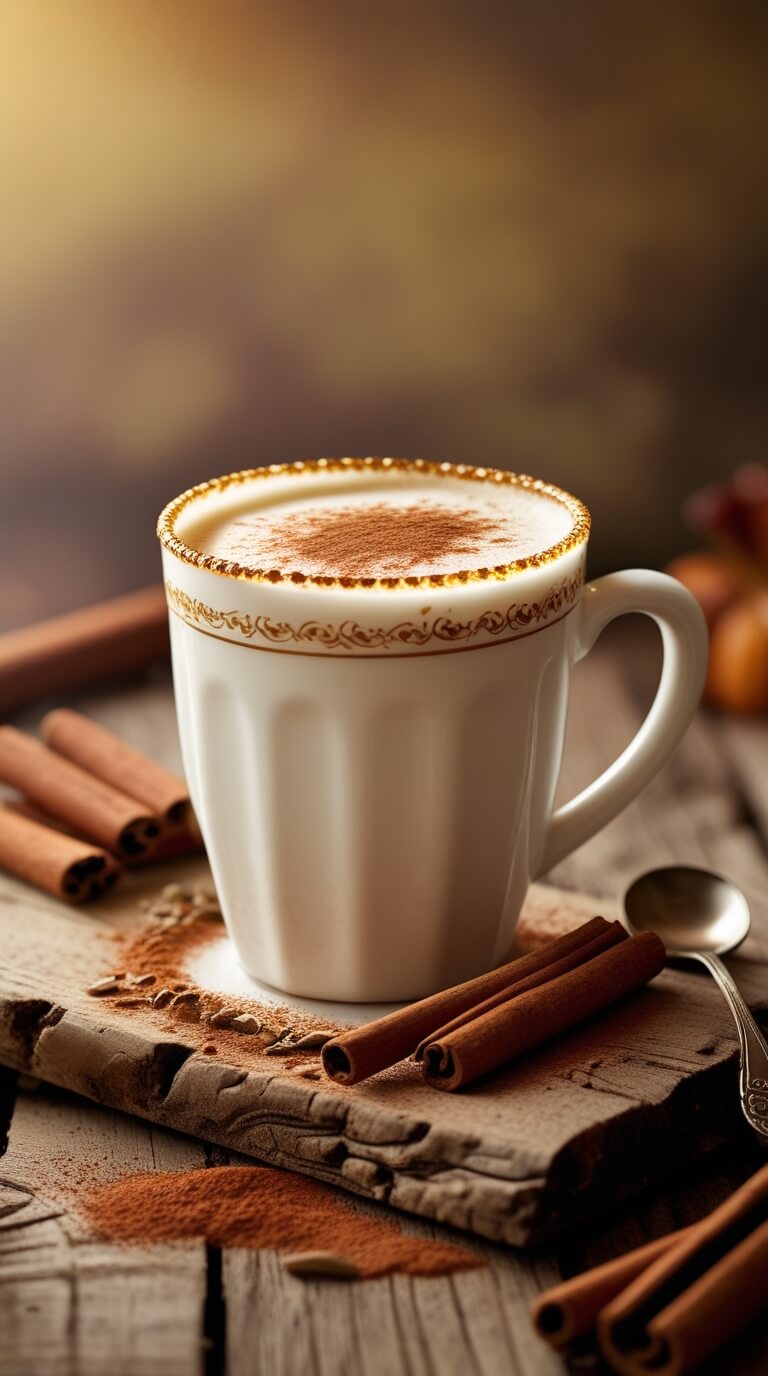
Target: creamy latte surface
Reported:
point(380, 529)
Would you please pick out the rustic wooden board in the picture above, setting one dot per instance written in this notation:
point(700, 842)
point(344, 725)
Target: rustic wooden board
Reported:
point(568, 1130)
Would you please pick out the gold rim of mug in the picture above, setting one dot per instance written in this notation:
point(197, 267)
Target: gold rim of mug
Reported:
point(577, 535)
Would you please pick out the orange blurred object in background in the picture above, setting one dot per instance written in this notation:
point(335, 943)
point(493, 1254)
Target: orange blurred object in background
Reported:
point(730, 584)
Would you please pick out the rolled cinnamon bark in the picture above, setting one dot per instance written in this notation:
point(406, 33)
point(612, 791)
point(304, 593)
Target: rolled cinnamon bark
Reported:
point(580, 956)
point(690, 1301)
point(112, 760)
point(362, 1051)
point(59, 864)
point(91, 808)
point(523, 1022)
point(569, 1310)
point(174, 844)
point(24, 808)
point(114, 637)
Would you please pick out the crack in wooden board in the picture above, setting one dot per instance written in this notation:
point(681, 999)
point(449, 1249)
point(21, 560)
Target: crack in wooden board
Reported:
point(521, 1157)
point(74, 1303)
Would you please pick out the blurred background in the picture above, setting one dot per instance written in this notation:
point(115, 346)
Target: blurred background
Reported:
point(517, 234)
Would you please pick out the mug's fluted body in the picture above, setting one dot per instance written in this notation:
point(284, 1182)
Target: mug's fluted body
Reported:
point(374, 763)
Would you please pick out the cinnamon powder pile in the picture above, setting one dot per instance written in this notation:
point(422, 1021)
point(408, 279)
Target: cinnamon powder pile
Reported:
point(257, 1206)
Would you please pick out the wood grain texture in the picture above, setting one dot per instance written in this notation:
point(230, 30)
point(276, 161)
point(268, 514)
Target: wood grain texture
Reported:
point(396, 1324)
point(71, 1304)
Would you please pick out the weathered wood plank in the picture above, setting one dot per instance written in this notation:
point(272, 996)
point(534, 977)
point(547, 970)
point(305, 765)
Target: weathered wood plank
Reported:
point(73, 1305)
point(475, 1321)
point(500, 1161)
point(276, 1323)
point(82, 1307)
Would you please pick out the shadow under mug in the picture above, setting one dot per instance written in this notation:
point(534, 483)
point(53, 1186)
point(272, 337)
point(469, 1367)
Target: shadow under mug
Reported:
point(374, 767)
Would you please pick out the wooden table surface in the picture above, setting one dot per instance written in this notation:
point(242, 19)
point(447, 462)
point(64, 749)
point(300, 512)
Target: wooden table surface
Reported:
point(81, 1308)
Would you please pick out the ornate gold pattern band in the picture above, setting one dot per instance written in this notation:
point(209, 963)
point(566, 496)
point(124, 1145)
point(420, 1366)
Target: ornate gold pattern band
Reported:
point(264, 632)
point(166, 526)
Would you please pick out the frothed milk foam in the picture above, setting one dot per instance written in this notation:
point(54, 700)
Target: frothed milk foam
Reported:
point(391, 526)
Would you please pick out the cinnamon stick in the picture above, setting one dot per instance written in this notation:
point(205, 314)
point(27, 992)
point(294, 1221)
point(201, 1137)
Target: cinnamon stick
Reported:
point(697, 1295)
point(91, 808)
point(49, 859)
point(95, 643)
point(580, 956)
point(569, 1310)
point(527, 1020)
point(174, 844)
point(362, 1051)
point(112, 760)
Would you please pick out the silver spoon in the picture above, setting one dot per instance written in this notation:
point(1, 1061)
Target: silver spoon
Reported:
point(700, 916)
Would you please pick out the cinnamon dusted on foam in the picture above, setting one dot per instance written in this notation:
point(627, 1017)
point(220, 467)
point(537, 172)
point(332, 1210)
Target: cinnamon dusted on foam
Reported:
point(362, 541)
point(383, 534)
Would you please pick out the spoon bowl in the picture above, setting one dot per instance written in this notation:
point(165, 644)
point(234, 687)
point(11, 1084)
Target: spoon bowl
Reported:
point(691, 910)
point(701, 916)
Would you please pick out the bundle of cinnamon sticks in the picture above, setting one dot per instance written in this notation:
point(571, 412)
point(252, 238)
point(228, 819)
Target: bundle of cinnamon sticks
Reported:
point(665, 1308)
point(467, 1031)
point(90, 804)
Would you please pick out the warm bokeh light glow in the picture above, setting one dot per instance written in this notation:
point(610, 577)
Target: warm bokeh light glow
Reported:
point(532, 238)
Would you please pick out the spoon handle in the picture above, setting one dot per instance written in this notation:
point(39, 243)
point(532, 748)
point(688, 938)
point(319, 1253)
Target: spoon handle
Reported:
point(753, 1074)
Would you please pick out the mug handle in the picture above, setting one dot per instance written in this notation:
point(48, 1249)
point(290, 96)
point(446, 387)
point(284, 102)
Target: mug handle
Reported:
point(685, 641)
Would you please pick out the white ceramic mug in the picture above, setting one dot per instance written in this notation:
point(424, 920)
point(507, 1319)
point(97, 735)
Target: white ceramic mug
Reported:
point(374, 767)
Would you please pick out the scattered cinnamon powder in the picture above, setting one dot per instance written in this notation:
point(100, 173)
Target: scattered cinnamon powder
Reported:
point(258, 1206)
point(379, 540)
point(165, 951)
point(153, 977)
